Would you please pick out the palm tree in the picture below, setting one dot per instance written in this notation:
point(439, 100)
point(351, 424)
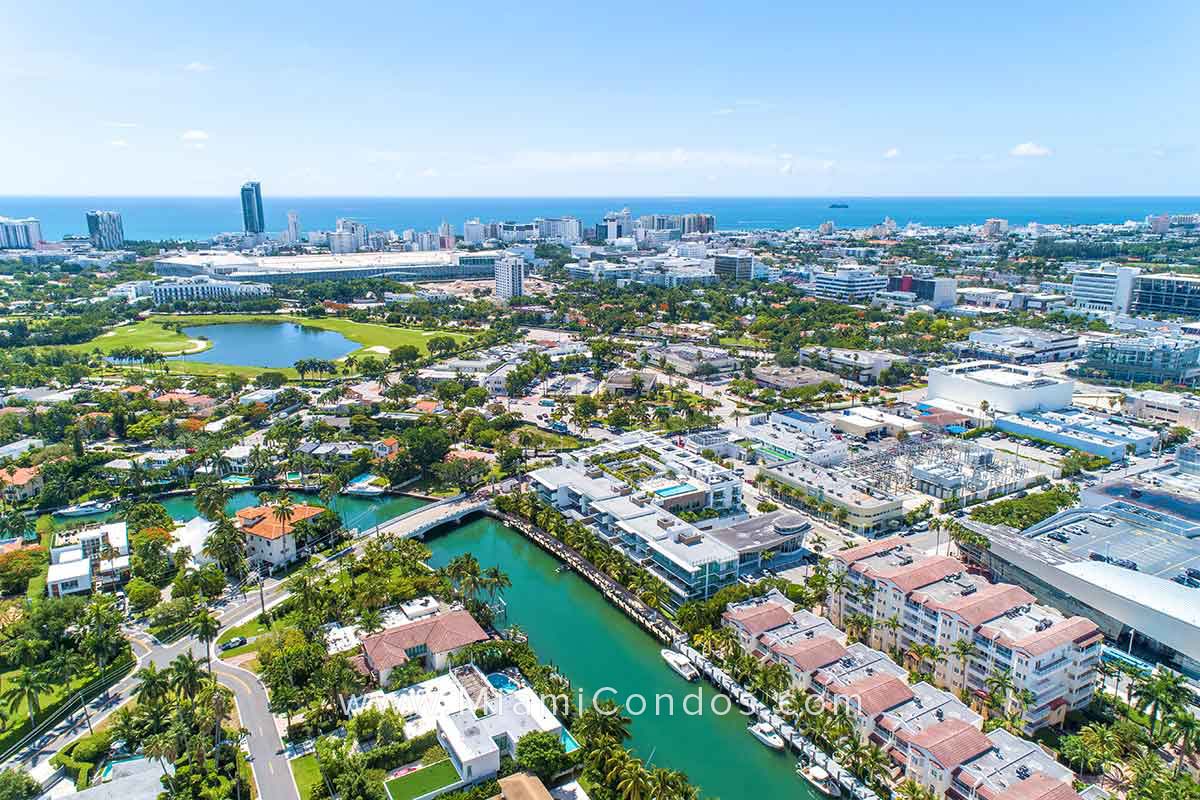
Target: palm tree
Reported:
point(27, 687)
point(999, 686)
point(964, 650)
point(911, 790)
point(153, 684)
point(1185, 728)
point(161, 748)
point(603, 720)
point(370, 620)
point(1159, 694)
point(284, 509)
point(206, 628)
point(186, 676)
point(632, 780)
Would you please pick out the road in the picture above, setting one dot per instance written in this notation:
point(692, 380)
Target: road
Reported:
point(265, 747)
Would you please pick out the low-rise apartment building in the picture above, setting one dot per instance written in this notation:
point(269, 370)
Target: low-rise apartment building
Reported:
point(859, 507)
point(913, 598)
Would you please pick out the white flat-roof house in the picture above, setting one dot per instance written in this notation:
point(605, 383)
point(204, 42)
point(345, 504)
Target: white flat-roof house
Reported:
point(476, 743)
point(85, 559)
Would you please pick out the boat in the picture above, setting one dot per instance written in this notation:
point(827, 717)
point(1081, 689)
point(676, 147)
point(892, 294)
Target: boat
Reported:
point(84, 509)
point(679, 663)
point(363, 489)
point(820, 780)
point(767, 735)
point(1135, 492)
point(563, 568)
point(839, 205)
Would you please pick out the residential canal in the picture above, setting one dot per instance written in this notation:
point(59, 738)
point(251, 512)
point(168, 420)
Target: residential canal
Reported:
point(571, 625)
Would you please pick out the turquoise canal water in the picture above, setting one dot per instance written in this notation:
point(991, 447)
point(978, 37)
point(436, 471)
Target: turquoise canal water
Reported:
point(356, 512)
point(571, 625)
point(267, 344)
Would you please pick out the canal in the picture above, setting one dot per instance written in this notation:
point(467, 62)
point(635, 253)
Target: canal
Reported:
point(571, 625)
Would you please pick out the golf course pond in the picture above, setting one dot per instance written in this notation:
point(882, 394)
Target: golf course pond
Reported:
point(266, 344)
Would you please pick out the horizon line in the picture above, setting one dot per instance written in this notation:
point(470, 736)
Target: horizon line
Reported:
point(232, 196)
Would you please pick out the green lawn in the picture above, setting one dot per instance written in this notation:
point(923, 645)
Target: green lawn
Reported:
point(14, 721)
point(150, 334)
point(307, 773)
point(247, 629)
point(423, 781)
point(551, 440)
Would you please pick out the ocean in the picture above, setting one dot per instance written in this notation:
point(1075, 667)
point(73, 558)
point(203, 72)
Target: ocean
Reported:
point(158, 218)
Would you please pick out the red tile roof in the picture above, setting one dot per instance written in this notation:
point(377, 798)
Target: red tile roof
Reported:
point(1039, 786)
point(989, 602)
point(876, 693)
point(812, 654)
point(18, 476)
point(952, 743)
point(443, 633)
point(921, 572)
point(261, 521)
point(758, 618)
point(850, 555)
point(1075, 629)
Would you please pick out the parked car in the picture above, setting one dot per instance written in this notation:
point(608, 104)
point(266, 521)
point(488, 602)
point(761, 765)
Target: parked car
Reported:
point(236, 641)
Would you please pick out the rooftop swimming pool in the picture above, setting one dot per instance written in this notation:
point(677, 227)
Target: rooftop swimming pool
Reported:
point(671, 491)
point(500, 681)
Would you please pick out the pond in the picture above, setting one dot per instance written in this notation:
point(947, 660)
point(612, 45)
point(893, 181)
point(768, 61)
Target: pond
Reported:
point(266, 344)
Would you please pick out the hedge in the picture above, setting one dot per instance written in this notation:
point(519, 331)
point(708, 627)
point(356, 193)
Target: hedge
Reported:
point(82, 756)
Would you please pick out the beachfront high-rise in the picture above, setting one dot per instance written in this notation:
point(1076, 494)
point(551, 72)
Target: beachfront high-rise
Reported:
point(510, 277)
point(252, 208)
point(20, 234)
point(105, 230)
point(293, 228)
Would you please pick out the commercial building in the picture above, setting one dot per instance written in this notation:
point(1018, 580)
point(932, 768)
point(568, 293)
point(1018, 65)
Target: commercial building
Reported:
point(1081, 430)
point(868, 422)
point(861, 508)
point(510, 277)
point(786, 436)
point(1107, 289)
point(20, 234)
point(936, 292)
point(860, 366)
point(849, 284)
point(1145, 359)
point(735, 265)
point(1172, 408)
point(691, 359)
point(433, 265)
point(781, 378)
point(1116, 564)
point(252, 208)
point(1016, 345)
point(105, 230)
point(1005, 388)
point(1167, 294)
point(200, 287)
point(938, 602)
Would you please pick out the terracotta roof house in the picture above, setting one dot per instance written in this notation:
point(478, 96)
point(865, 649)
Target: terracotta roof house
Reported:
point(20, 483)
point(432, 640)
point(270, 540)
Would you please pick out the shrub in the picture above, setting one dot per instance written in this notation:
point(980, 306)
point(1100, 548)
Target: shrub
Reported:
point(143, 595)
point(17, 785)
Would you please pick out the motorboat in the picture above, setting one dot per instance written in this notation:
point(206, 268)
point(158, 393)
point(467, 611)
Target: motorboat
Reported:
point(84, 509)
point(679, 663)
point(820, 780)
point(767, 735)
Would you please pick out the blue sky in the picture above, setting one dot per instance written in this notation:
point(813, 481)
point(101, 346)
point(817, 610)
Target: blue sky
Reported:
point(662, 98)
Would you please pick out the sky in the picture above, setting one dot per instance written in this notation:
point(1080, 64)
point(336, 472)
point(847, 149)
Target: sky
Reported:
point(551, 99)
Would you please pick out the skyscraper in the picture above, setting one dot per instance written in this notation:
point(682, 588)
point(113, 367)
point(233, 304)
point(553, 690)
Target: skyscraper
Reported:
point(105, 230)
point(252, 208)
point(510, 277)
point(20, 234)
point(293, 229)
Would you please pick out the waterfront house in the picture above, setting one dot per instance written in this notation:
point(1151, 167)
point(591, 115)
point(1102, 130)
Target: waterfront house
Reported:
point(89, 558)
point(271, 540)
point(20, 483)
point(431, 639)
point(475, 743)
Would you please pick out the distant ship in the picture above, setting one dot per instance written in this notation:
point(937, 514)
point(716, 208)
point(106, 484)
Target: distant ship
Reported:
point(839, 205)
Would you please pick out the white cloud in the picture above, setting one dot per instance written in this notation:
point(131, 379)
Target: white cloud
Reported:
point(722, 112)
point(119, 143)
point(194, 136)
point(786, 168)
point(197, 66)
point(891, 152)
point(429, 172)
point(1029, 150)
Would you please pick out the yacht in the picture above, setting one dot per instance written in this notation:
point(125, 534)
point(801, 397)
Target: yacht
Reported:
point(767, 735)
point(679, 663)
point(84, 509)
point(820, 780)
